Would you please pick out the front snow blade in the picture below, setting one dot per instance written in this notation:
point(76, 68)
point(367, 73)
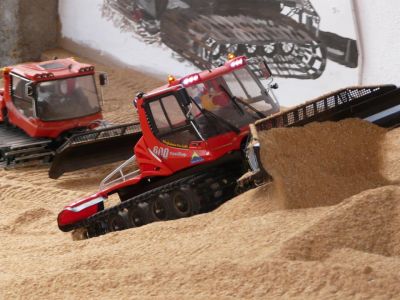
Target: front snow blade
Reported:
point(95, 148)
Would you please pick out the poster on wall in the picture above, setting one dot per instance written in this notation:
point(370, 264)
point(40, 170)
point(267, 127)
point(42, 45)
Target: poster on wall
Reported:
point(310, 45)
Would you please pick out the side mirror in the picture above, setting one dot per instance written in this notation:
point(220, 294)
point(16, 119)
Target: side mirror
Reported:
point(103, 78)
point(274, 86)
point(138, 96)
point(29, 89)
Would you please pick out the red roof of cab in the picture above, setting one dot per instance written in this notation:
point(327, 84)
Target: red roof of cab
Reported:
point(65, 67)
point(204, 76)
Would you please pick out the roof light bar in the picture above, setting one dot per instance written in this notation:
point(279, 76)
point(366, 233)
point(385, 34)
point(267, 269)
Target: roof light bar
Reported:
point(190, 79)
point(44, 75)
point(237, 62)
point(86, 69)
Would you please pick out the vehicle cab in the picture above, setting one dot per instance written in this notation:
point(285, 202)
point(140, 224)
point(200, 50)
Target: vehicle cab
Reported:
point(201, 117)
point(49, 98)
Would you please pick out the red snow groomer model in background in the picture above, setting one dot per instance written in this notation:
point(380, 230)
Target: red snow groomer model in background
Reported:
point(50, 112)
point(190, 155)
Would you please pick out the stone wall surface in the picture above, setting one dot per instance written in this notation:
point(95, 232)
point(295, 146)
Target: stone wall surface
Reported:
point(27, 28)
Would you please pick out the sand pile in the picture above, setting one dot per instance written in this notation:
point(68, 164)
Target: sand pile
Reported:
point(339, 239)
point(321, 164)
point(368, 222)
point(30, 206)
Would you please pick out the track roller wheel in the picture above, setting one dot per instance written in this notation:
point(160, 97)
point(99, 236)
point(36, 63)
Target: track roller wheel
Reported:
point(95, 229)
point(117, 222)
point(287, 48)
point(138, 215)
point(270, 49)
point(184, 202)
point(160, 208)
point(79, 234)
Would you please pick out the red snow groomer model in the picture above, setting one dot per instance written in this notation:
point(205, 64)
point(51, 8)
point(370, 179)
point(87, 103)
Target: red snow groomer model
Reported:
point(190, 155)
point(198, 147)
point(50, 113)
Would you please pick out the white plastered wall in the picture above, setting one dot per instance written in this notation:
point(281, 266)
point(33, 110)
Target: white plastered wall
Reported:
point(378, 33)
point(379, 29)
point(81, 22)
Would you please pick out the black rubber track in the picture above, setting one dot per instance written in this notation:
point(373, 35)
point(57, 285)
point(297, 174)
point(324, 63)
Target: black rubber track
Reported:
point(212, 187)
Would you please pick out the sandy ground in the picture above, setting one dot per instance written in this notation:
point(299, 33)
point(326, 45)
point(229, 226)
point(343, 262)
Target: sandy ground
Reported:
point(327, 227)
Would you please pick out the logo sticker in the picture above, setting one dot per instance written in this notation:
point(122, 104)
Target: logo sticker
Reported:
point(196, 158)
point(177, 154)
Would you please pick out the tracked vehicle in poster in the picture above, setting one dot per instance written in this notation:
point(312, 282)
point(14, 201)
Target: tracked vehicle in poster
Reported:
point(285, 33)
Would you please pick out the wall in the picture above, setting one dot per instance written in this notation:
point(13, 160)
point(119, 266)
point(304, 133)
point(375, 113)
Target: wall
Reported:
point(27, 28)
point(86, 26)
point(8, 32)
point(115, 32)
point(380, 30)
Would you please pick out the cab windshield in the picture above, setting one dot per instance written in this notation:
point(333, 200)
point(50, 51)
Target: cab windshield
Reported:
point(236, 97)
point(67, 98)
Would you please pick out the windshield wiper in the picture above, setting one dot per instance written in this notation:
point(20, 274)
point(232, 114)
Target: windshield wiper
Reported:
point(208, 114)
point(235, 100)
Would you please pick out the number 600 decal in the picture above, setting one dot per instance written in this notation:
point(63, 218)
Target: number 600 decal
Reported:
point(161, 152)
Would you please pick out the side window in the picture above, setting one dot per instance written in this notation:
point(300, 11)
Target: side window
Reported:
point(174, 111)
point(159, 117)
point(170, 124)
point(21, 102)
point(248, 82)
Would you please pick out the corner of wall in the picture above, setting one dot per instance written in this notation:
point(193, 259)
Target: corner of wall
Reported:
point(359, 39)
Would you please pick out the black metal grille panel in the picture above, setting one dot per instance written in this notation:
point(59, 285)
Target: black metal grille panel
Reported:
point(313, 110)
point(101, 134)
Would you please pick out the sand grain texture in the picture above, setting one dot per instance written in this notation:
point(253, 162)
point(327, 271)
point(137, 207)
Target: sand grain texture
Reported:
point(327, 227)
point(321, 165)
